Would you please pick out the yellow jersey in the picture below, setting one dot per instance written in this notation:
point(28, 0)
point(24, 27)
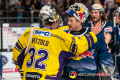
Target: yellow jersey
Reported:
point(48, 52)
point(64, 28)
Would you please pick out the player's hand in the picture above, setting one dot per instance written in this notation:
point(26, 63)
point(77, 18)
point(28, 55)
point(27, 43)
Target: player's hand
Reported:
point(97, 28)
point(114, 46)
point(107, 37)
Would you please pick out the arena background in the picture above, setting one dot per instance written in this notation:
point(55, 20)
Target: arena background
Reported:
point(10, 33)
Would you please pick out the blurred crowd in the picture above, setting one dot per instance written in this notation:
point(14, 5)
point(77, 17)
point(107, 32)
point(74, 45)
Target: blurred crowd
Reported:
point(23, 10)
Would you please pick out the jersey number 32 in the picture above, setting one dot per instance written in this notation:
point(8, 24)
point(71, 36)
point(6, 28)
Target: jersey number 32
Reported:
point(37, 62)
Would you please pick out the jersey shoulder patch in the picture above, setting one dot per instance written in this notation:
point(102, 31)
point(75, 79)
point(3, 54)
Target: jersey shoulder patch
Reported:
point(42, 33)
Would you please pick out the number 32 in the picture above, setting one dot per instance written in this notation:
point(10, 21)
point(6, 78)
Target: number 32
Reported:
point(38, 62)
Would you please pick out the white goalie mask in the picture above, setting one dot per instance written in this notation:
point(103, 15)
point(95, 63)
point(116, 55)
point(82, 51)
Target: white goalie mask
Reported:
point(48, 13)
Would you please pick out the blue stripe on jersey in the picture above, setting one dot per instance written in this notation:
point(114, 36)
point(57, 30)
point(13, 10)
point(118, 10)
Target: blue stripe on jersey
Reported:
point(21, 74)
point(73, 39)
point(50, 78)
point(17, 49)
point(21, 58)
point(73, 48)
point(21, 71)
point(63, 56)
point(88, 41)
point(16, 63)
point(107, 62)
point(91, 39)
point(20, 44)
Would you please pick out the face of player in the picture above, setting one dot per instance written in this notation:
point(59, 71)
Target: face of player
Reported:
point(73, 24)
point(95, 14)
point(117, 18)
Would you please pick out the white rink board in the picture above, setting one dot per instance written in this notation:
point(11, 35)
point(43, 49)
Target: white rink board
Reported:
point(9, 69)
point(11, 76)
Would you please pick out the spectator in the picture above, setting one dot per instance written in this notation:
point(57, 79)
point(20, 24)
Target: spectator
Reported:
point(88, 4)
point(37, 5)
point(34, 1)
point(24, 2)
point(27, 10)
point(96, 1)
point(110, 3)
point(66, 4)
point(52, 2)
point(10, 11)
point(78, 1)
point(58, 4)
point(14, 2)
point(75, 1)
point(62, 12)
point(107, 13)
point(27, 5)
point(32, 8)
point(116, 5)
point(34, 11)
point(20, 9)
point(5, 7)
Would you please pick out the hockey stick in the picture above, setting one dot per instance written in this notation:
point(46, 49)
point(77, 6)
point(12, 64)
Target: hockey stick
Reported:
point(115, 42)
point(30, 38)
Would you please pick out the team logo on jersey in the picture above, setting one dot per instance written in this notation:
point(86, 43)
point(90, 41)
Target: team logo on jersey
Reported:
point(108, 29)
point(33, 76)
point(42, 33)
point(108, 26)
point(66, 30)
point(72, 74)
point(85, 54)
point(119, 32)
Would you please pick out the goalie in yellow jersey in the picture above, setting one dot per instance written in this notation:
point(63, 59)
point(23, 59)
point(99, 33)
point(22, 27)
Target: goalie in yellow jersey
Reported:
point(49, 48)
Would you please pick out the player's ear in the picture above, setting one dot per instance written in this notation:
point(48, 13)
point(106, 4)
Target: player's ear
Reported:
point(119, 17)
point(54, 24)
point(80, 22)
point(101, 14)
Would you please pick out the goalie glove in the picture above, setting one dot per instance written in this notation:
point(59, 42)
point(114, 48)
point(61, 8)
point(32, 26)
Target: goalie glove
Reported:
point(114, 46)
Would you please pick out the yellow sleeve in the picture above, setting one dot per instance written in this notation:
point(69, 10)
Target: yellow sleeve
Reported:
point(84, 42)
point(19, 49)
point(78, 45)
point(64, 28)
